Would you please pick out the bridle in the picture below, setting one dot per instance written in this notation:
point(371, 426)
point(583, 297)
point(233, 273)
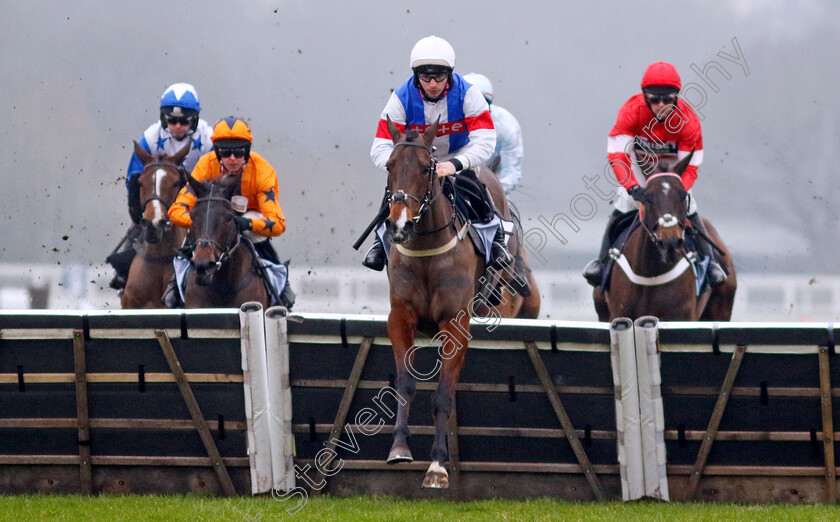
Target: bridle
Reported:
point(428, 199)
point(223, 252)
point(155, 196)
point(666, 220)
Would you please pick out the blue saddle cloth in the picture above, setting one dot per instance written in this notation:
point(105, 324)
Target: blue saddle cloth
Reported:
point(278, 275)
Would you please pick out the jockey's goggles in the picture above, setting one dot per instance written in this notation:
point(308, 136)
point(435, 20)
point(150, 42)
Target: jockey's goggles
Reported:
point(238, 152)
point(428, 77)
point(177, 120)
point(657, 98)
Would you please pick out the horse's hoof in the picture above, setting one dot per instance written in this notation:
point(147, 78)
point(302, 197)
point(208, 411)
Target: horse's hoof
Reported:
point(436, 477)
point(434, 480)
point(398, 455)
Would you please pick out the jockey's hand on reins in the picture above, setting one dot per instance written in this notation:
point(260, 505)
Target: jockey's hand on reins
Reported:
point(243, 223)
point(445, 168)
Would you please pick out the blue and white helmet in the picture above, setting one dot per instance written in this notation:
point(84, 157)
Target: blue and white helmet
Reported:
point(180, 100)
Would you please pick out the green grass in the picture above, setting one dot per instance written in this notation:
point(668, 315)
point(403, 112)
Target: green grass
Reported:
point(332, 509)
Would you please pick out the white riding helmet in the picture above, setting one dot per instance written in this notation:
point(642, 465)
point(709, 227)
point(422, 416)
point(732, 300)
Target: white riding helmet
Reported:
point(483, 84)
point(432, 50)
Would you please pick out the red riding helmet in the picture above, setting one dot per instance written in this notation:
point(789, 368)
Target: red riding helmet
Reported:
point(661, 74)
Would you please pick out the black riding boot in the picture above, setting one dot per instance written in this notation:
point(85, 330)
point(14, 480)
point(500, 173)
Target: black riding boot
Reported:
point(171, 297)
point(266, 251)
point(499, 255)
point(287, 296)
point(121, 261)
point(715, 273)
point(594, 271)
point(375, 258)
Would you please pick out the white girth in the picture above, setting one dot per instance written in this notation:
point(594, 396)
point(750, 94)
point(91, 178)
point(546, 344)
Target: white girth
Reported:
point(435, 251)
point(661, 279)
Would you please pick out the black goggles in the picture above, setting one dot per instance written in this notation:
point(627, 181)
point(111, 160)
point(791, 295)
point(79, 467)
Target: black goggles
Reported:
point(177, 120)
point(664, 98)
point(238, 152)
point(428, 77)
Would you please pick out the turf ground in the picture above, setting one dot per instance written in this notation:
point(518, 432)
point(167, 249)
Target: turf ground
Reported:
point(264, 509)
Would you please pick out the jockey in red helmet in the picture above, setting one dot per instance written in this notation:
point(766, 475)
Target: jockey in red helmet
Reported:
point(657, 124)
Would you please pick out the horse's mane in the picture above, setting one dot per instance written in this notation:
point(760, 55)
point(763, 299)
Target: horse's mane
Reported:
point(222, 180)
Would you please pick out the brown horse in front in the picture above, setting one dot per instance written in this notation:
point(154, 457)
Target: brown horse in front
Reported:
point(434, 278)
point(221, 271)
point(151, 268)
point(653, 276)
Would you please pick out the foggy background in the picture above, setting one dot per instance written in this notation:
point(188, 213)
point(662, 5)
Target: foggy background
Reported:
point(84, 79)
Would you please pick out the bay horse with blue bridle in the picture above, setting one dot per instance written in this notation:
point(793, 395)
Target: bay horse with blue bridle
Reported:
point(151, 269)
point(435, 276)
point(653, 275)
point(222, 270)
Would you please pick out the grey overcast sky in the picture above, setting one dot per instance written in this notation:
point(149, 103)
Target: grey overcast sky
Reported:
point(83, 79)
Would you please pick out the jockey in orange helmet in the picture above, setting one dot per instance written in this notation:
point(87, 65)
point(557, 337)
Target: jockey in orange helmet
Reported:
point(658, 125)
point(232, 155)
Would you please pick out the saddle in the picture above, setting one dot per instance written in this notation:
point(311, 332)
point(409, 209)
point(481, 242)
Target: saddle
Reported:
point(481, 234)
point(618, 232)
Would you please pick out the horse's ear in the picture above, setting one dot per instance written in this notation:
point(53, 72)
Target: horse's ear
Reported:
point(431, 132)
point(396, 135)
point(196, 186)
point(680, 167)
point(179, 156)
point(144, 156)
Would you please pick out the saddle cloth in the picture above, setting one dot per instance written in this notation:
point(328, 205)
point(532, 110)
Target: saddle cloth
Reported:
point(278, 275)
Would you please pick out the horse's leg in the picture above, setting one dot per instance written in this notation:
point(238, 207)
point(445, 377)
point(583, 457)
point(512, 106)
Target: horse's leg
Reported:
point(722, 299)
point(402, 323)
point(134, 294)
point(453, 352)
point(530, 308)
point(601, 307)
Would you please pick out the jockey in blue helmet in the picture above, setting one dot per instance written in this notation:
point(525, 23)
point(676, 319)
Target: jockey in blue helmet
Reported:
point(179, 126)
